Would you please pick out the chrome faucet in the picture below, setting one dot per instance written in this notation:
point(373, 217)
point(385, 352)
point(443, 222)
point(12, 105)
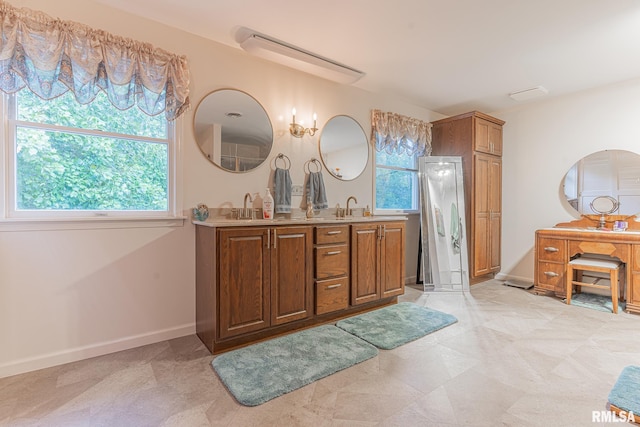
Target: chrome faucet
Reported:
point(248, 195)
point(246, 213)
point(349, 213)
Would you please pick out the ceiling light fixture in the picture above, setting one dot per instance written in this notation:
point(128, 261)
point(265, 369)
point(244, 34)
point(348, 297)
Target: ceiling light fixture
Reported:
point(292, 56)
point(527, 94)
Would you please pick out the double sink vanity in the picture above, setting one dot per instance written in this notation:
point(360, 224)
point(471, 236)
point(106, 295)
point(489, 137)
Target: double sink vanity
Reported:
point(260, 278)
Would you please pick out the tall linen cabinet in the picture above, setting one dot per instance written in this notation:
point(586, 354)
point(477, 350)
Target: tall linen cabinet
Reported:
point(477, 138)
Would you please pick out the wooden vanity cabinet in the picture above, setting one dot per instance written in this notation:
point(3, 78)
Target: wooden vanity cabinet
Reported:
point(264, 278)
point(256, 282)
point(377, 261)
point(477, 138)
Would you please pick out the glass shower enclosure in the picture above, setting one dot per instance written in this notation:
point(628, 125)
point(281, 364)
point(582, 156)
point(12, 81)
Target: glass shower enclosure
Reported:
point(442, 219)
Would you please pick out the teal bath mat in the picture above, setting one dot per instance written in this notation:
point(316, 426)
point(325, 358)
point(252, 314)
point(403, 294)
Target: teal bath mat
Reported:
point(263, 371)
point(625, 394)
point(595, 302)
point(395, 325)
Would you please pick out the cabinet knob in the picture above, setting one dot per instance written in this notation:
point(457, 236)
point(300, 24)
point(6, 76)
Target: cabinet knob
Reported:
point(337, 285)
point(551, 249)
point(333, 252)
point(551, 274)
point(334, 232)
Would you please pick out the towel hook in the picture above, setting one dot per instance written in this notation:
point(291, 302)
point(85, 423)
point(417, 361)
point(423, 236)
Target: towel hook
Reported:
point(284, 159)
point(315, 162)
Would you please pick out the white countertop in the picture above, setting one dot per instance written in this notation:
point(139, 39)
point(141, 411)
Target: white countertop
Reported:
point(226, 222)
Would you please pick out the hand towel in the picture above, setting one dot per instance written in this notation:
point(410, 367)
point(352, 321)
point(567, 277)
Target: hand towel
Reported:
point(282, 190)
point(316, 193)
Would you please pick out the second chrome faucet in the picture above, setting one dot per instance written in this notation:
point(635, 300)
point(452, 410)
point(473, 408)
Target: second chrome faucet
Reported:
point(349, 212)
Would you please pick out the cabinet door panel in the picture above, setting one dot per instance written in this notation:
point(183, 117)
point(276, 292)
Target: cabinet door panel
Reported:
point(495, 139)
point(291, 281)
point(495, 212)
point(365, 264)
point(482, 142)
point(244, 298)
point(393, 260)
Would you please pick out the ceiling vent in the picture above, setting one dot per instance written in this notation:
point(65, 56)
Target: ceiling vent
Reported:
point(283, 53)
point(527, 94)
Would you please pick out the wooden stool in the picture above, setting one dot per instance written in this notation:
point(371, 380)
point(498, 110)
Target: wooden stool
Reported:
point(581, 264)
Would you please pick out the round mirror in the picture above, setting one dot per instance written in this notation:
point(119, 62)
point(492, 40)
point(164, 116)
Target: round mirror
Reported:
point(613, 174)
point(344, 149)
point(604, 205)
point(233, 130)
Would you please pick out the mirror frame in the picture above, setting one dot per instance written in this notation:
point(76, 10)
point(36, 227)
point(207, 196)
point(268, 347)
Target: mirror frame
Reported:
point(197, 139)
point(325, 161)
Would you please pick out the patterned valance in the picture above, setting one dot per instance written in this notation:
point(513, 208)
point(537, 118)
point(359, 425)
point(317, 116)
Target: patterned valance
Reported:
point(396, 134)
point(51, 57)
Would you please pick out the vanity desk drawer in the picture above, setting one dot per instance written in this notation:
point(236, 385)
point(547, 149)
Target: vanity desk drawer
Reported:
point(551, 276)
point(551, 249)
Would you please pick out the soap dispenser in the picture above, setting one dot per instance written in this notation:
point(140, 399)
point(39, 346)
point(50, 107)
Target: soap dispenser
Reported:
point(267, 205)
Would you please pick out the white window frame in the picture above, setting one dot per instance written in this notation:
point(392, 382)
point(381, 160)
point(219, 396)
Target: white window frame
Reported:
point(13, 220)
point(416, 191)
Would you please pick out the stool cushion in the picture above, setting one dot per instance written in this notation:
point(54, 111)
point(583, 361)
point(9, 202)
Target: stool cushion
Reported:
point(625, 394)
point(592, 262)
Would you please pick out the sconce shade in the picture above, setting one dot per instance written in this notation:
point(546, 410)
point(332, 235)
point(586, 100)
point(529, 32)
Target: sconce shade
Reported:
point(294, 57)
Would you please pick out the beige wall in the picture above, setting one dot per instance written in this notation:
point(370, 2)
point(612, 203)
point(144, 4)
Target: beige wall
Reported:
point(67, 295)
point(542, 142)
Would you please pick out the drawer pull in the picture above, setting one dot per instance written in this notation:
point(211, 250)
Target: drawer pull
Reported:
point(551, 274)
point(334, 232)
point(334, 253)
point(337, 285)
point(551, 249)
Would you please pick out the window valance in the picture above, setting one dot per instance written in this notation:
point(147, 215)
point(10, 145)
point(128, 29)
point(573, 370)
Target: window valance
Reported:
point(51, 57)
point(397, 134)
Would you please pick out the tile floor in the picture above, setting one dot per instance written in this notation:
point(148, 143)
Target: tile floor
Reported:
point(513, 359)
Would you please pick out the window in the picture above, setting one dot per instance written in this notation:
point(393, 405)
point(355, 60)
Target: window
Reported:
point(396, 183)
point(72, 160)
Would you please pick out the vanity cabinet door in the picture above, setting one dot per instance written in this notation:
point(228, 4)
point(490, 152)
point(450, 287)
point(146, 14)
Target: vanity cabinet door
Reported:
point(365, 263)
point(392, 260)
point(377, 261)
point(291, 270)
point(244, 281)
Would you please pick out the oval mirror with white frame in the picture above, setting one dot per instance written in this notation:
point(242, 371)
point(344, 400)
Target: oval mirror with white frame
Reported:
point(233, 130)
point(344, 148)
point(605, 174)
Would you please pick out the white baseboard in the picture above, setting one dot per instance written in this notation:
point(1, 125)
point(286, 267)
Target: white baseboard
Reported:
point(502, 276)
point(79, 353)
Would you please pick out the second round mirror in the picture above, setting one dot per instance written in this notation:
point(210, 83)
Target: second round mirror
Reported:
point(344, 148)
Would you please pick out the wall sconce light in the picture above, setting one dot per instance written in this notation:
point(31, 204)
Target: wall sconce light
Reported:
point(298, 130)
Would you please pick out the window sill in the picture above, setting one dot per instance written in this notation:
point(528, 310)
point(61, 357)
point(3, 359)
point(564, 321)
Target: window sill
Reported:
point(52, 224)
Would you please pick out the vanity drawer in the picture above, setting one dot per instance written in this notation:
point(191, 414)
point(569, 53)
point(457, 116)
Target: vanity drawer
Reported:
point(331, 234)
point(332, 261)
point(550, 276)
point(551, 249)
point(332, 295)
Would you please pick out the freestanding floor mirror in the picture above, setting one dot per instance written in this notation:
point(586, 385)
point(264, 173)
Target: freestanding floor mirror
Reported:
point(442, 216)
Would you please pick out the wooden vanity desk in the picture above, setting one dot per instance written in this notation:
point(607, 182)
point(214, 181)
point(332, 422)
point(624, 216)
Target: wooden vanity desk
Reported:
point(558, 245)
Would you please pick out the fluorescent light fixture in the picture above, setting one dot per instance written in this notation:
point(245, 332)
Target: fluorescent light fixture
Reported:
point(527, 94)
point(283, 53)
